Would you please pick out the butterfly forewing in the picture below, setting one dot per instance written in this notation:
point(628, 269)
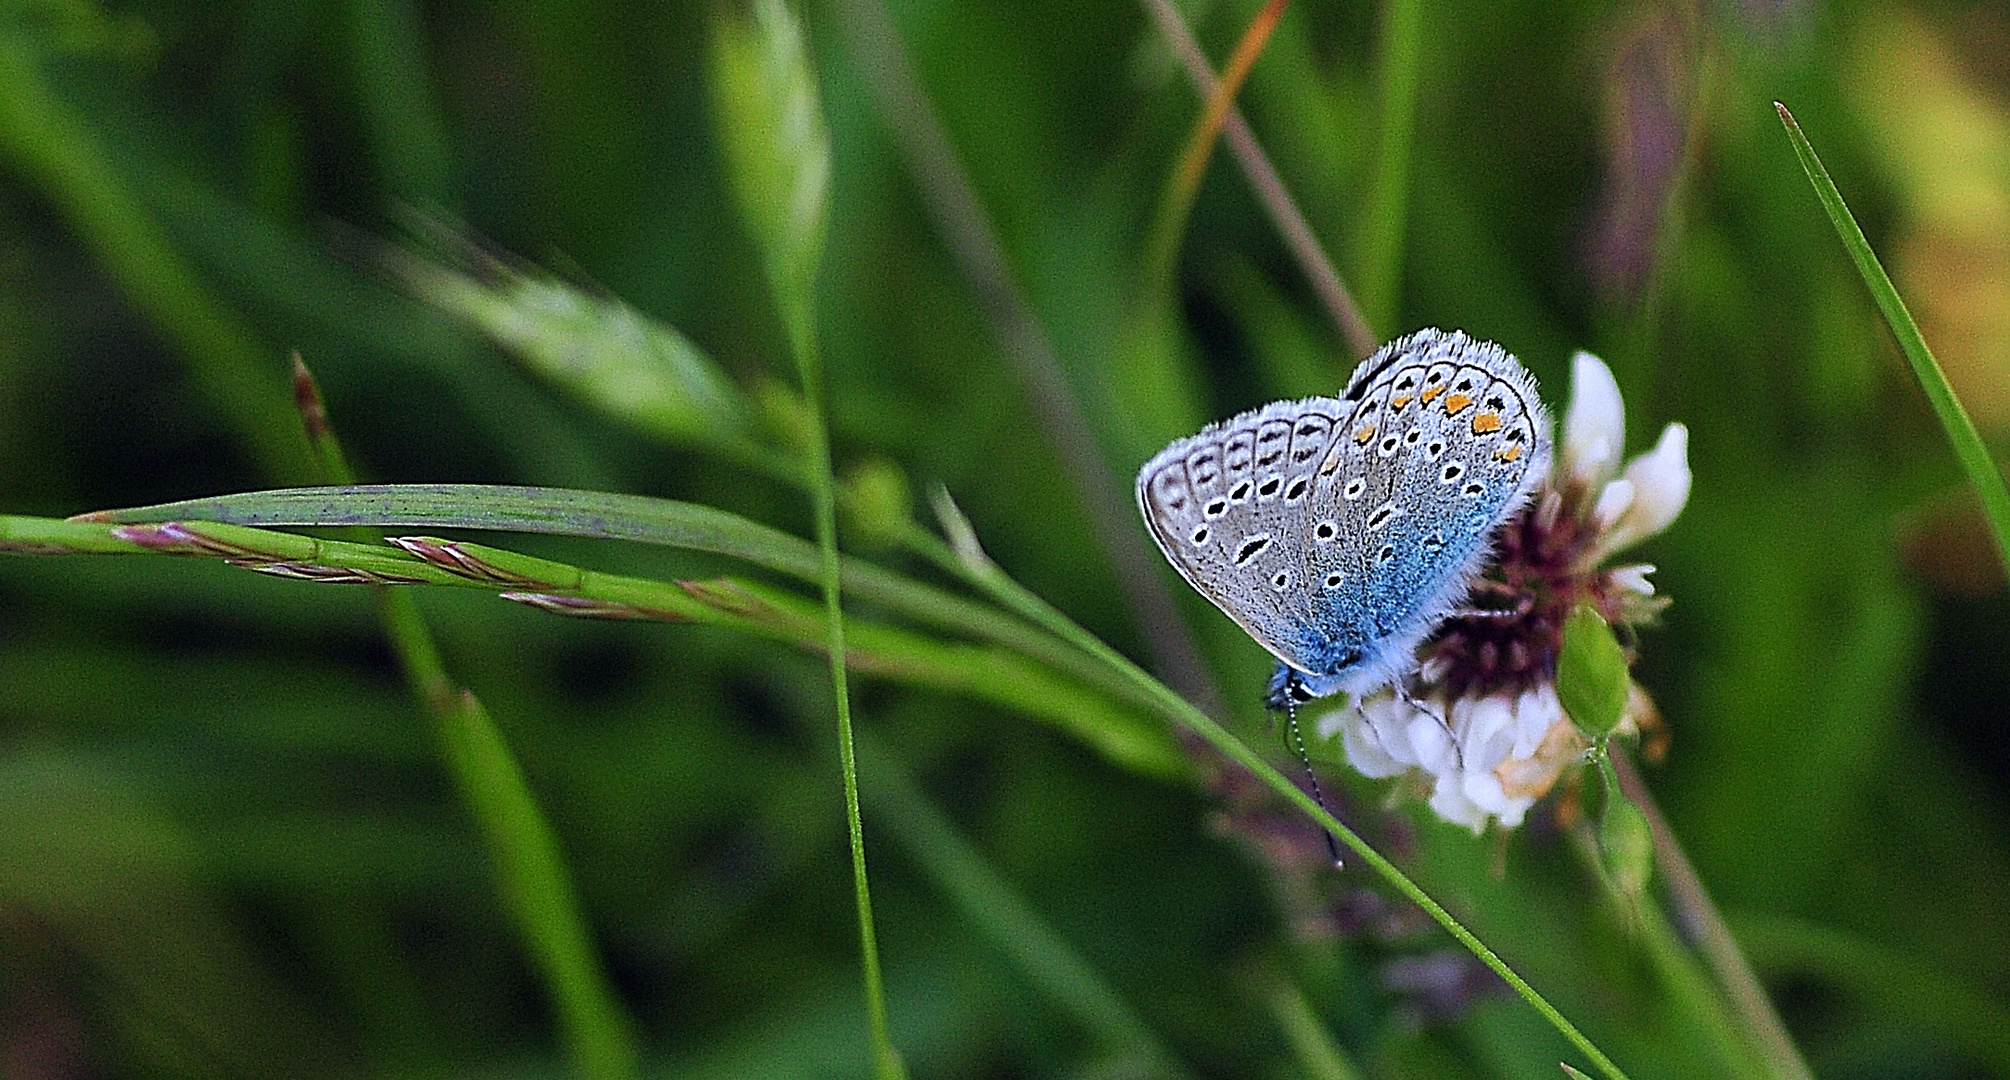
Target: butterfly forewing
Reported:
point(1227, 506)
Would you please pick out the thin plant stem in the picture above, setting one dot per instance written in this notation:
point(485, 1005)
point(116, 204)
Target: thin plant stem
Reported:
point(1318, 1055)
point(1697, 914)
point(531, 872)
point(1270, 191)
point(1183, 184)
point(1386, 215)
point(951, 201)
point(1961, 434)
point(887, 1064)
point(996, 908)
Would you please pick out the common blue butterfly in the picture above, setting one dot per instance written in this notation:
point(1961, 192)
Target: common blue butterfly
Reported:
point(1339, 532)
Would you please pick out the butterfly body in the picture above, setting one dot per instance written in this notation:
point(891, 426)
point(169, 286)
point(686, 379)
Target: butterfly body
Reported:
point(1340, 531)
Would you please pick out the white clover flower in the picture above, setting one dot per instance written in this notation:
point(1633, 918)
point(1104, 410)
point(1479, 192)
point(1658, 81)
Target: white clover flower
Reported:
point(1594, 427)
point(1479, 726)
point(1660, 482)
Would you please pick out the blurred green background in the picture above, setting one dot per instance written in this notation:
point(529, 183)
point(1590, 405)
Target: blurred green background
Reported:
point(227, 846)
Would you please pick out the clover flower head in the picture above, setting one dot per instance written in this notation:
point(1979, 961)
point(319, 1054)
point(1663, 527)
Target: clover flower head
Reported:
point(1479, 725)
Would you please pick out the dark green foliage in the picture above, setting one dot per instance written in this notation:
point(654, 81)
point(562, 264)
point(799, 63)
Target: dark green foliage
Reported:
point(227, 845)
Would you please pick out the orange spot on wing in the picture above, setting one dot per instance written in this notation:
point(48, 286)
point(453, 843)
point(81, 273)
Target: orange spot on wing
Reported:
point(1432, 394)
point(1366, 432)
point(1486, 423)
point(1509, 454)
point(1398, 403)
point(1457, 404)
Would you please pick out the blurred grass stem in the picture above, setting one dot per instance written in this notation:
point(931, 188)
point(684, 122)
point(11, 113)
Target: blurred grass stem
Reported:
point(48, 143)
point(1386, 214)
point(990, 903)
point(1311, 1043)
point(1183, 185)
point(530, 868)
point(1961, 434)
point(1697, 915)
point(1270, 190)
point(952, 203)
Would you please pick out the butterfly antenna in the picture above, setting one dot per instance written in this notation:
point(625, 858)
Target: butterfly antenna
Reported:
point(1298, 741)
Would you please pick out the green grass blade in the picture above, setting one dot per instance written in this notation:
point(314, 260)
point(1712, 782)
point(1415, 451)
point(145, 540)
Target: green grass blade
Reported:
point(1961, 434)
point(1121, 731)
point(1387, 212)
point(603, 515)
point(531, 872)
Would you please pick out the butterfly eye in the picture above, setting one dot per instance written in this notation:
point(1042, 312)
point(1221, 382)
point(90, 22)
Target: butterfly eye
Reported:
point(1333, 579)
point(1325, 531)
point(1216, 507)
point(1239, 492)
point(1200, 536)
point(1355, 487)
point(1296, 491)
point(1282, 581)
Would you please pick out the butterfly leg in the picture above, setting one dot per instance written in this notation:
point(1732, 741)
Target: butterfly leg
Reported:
point(1443, 722)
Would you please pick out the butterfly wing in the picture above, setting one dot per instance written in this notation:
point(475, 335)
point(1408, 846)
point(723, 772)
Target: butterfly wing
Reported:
point(1226, 507)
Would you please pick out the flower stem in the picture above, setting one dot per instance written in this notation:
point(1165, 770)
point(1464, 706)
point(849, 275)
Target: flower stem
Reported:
point(1682, 980)
point(887, 1064)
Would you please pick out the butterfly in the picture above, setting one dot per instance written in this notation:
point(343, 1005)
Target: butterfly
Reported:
point(1340, 532)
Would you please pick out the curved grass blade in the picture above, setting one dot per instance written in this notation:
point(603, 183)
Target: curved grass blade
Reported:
point(1122, 732)
point(604, 515)
point(1961, 434)
point(530, 868)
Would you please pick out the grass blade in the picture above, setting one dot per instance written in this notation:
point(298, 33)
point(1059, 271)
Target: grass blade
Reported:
point(1381, 273)
point(531, 871)
point(1961, 434)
